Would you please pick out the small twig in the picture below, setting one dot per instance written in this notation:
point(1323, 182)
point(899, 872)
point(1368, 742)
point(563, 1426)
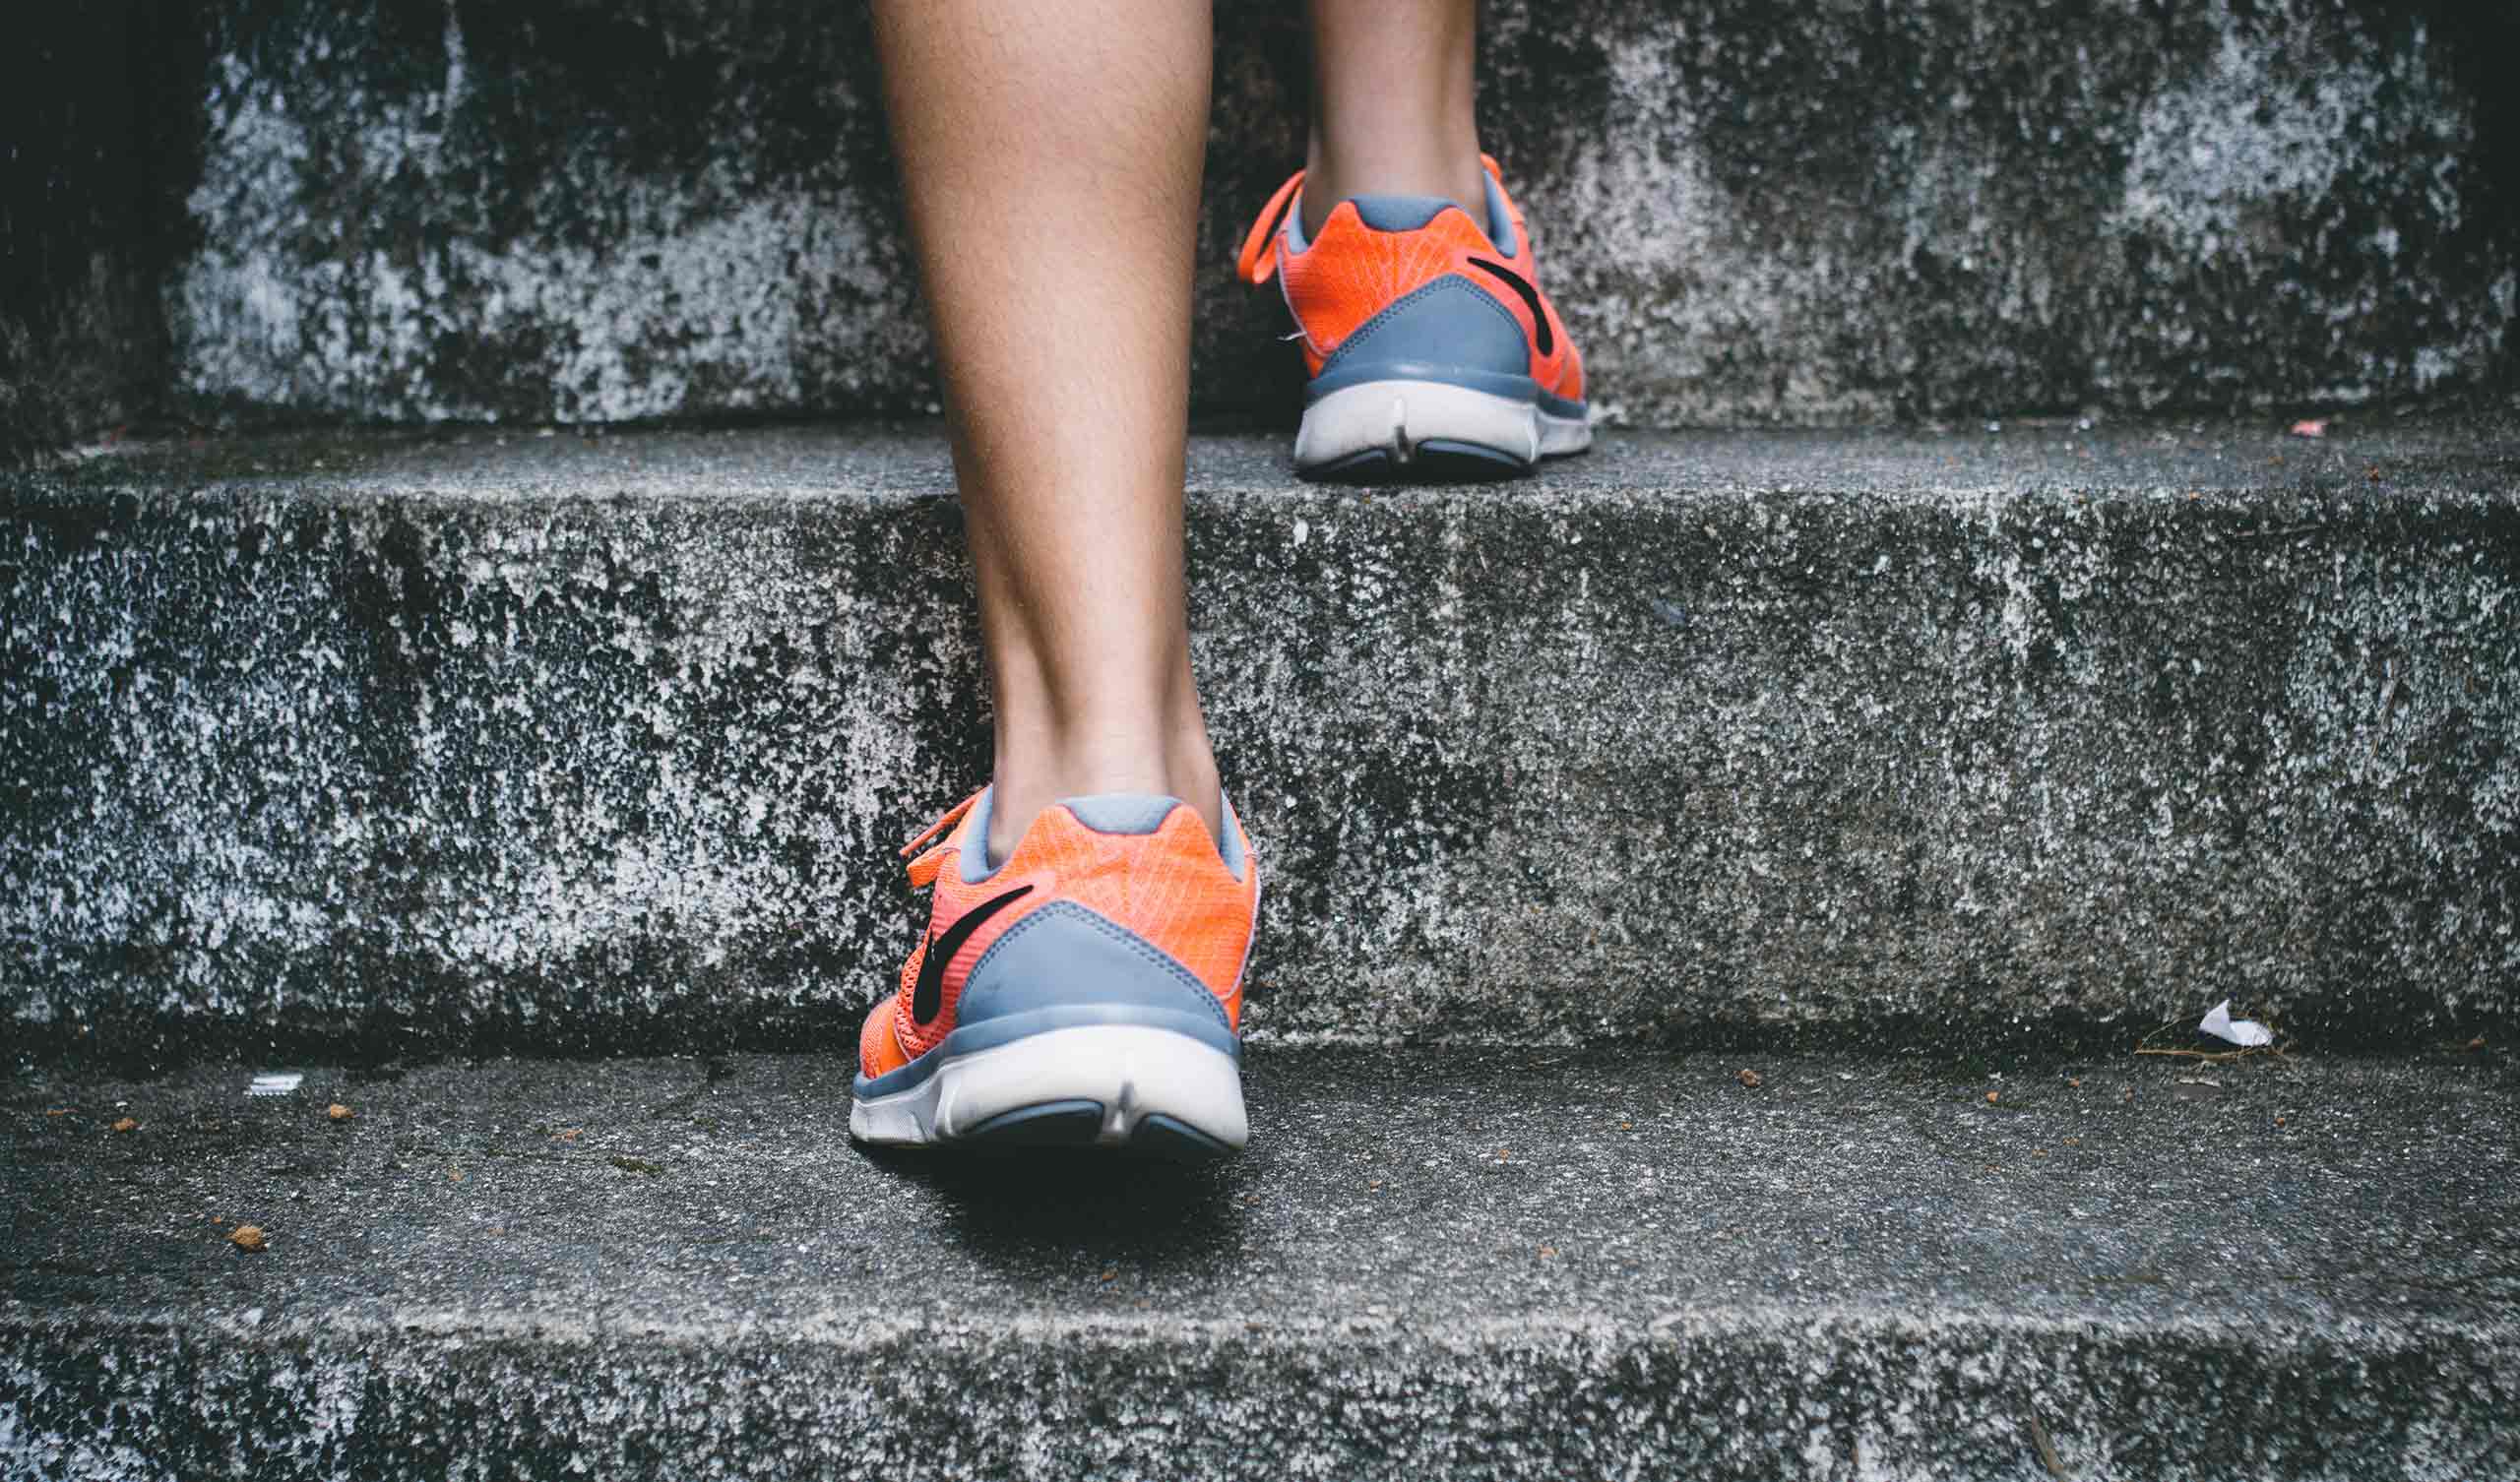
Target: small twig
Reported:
point(2047, 1450)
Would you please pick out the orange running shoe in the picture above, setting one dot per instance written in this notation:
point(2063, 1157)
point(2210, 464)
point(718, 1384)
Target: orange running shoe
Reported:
point(1429, 342)
point(1084, 992)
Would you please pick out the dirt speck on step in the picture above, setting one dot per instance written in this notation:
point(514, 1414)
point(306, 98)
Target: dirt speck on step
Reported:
point(127, 1123)
point(1749, 1077)
point(247, 1237)
point(338, 1113)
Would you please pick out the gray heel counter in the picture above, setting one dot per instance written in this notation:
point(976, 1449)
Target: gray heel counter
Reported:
point(1064, 956)
point(1450, 330)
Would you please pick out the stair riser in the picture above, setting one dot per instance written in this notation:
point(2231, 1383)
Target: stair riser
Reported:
point(593, 773)
point(1805, 1399)
point(407, 209)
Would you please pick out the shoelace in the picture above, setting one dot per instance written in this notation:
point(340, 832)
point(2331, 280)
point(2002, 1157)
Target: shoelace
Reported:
point(1257, 262)
point(923, 869)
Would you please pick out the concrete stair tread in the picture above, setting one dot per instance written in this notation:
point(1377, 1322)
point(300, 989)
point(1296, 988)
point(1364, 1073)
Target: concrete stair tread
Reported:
point(2277, 1267)
point(2432, 454)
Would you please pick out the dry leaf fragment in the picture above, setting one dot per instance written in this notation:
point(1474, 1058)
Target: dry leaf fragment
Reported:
point(1749, 1077)
point(246, 1237)
point(58, 1111)
point(338, 1113)
point(2075, 1082)
point(1547, 1250)
point(1990, 1097)
point(2477, 1043)
point(571, 1135)
point(126, 1125)
point(2311, 427)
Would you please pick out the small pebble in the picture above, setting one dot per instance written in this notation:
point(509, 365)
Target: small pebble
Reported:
point(246, 1237)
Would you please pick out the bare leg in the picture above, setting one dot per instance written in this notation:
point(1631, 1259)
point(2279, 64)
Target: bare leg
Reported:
point(1391, 104)
point(1052, 152)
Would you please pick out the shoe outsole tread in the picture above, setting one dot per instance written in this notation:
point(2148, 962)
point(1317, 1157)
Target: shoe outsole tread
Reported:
point(1079, 1123)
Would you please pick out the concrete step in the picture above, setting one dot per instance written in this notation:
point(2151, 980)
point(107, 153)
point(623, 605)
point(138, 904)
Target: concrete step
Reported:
point(594, 743)
point(1454, 1264)
point(413, 209)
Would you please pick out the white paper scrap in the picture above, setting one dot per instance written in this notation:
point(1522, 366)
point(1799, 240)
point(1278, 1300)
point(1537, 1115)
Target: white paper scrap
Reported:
point(274, 1083)
point(2240, 1031)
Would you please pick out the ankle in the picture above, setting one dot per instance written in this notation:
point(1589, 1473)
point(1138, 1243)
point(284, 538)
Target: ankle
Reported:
point(1434, 163)
point(1031, 779)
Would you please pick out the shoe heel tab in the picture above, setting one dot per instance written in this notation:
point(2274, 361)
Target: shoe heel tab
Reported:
point(1143, 814)
point(1400, 212)
point(1133, 813)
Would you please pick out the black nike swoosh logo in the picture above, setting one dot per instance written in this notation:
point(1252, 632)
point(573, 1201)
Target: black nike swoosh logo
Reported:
point(1530, 297)
point(927, 1000)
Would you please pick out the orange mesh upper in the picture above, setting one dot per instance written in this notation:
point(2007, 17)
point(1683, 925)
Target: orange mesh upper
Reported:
point(1351, 271)
point(1169, 887)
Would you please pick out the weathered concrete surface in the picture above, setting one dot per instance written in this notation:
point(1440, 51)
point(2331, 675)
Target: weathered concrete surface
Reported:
point(100, 115)
point(1506, 1265)
point(1822, 212)
point(608, 742)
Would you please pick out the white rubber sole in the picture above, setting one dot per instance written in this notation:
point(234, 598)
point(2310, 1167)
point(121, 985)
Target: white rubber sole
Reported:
point(1401, 422)
point(1105, 1085)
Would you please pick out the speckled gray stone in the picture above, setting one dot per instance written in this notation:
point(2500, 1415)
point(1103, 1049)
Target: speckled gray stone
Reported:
point(589, 743)
point(1500, 1265)
point(1750, 212)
